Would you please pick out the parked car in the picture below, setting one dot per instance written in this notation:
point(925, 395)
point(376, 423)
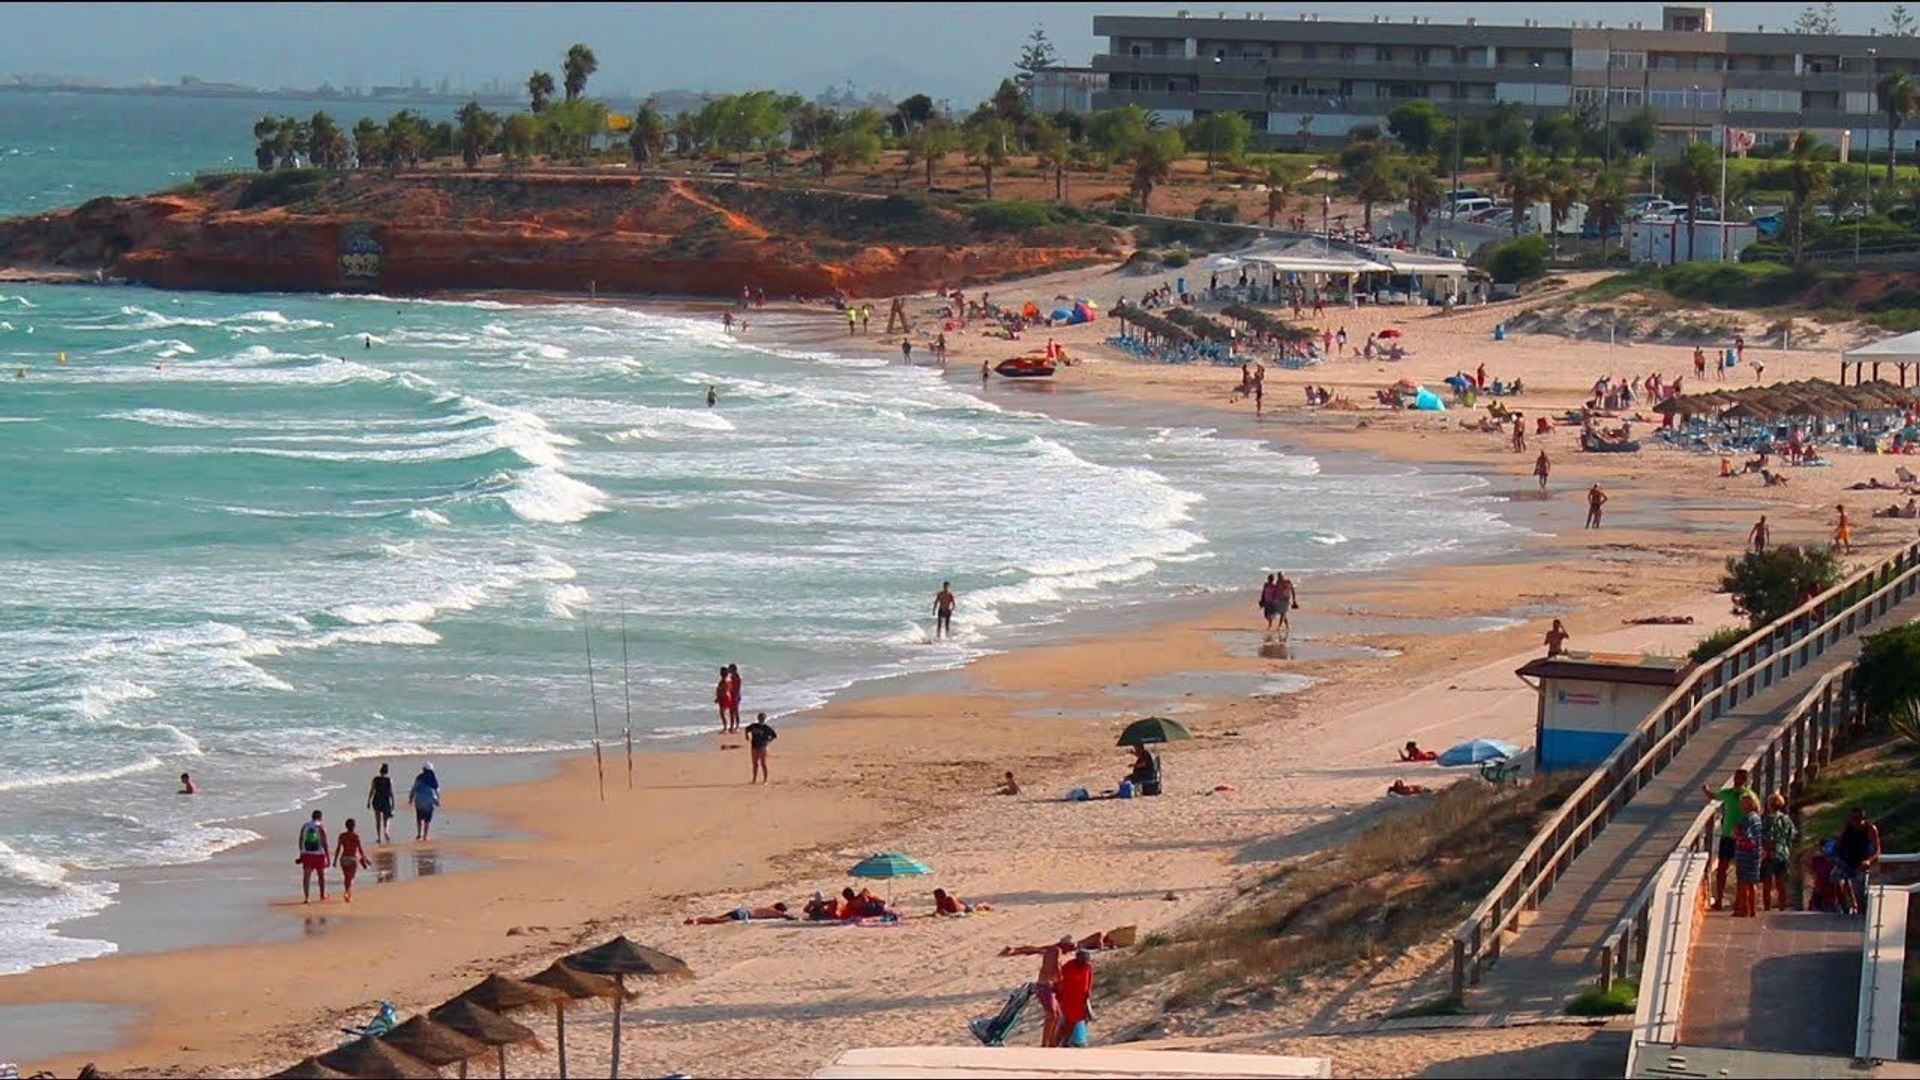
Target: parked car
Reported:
point(1468, 207)
point(1467, 193)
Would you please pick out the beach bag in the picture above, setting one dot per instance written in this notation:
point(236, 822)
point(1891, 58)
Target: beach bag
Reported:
point(310, 840)
point(1078, 1037)
point(1124, 791)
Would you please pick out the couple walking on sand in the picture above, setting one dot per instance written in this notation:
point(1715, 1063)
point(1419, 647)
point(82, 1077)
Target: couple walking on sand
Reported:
point(726, 694)
point(311, 849)
point(1278, 597)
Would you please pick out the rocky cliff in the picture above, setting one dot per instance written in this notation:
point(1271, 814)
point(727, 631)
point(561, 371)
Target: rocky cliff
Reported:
point(309, 231)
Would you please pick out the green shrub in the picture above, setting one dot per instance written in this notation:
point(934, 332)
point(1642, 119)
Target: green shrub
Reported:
point(1012, 215)
point(1175, 259)
point(1767, 584)
point(1616, 1001)
point(1521, 259)
point(1735, 284)
point(1717, 642)
point(282, 188)
point(1889, 669)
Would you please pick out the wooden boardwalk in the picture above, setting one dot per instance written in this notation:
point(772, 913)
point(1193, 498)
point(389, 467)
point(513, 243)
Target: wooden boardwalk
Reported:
point(1556, 952)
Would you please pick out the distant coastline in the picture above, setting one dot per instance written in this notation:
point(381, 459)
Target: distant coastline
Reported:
point(220, 90)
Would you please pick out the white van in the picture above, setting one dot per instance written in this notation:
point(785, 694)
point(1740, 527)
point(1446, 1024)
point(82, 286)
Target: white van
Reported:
point(1468, 207)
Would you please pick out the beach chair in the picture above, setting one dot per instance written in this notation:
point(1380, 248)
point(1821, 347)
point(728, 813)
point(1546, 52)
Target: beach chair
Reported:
point(383, 1021)
point(1499, 772)
point(993, 1030)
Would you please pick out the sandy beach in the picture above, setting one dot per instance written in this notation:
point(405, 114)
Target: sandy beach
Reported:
point(1292, 751)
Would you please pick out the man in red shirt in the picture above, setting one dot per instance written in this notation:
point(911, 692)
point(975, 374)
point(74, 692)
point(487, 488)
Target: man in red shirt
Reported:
point(1074, 990)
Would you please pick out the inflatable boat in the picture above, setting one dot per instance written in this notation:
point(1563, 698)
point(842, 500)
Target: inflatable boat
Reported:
point(1025, 367)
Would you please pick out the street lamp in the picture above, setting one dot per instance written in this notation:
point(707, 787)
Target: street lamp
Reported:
point(1536, 89)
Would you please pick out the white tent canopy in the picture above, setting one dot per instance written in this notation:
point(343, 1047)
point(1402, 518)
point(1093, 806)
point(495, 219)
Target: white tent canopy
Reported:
point(1902, 349)
point(1310, 258)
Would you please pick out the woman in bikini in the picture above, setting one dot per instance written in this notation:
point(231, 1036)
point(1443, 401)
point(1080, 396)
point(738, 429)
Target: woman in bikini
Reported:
point(351, 858)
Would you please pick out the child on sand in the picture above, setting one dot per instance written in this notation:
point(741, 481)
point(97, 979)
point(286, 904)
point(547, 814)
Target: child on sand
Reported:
point(1009, 786)
point(351, 857)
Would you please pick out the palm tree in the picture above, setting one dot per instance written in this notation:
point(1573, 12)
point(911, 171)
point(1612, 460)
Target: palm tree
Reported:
point(1561, 192)
point(1692, 176)
point(1374, 179)
point(1899, 98)
point(1523, 179)
point(648, 140)
point(1424, 196)
point(1153, 162)
point(987, 148)
point(476, 133)
point(1806, 176)
point(1050, 145)
point(539, 90)
point(327, 145)
point(1281, 180)
point(579, 64)
point(1606, 203)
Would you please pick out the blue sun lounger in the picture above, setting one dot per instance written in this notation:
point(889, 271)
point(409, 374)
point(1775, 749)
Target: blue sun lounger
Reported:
point(993, 1030)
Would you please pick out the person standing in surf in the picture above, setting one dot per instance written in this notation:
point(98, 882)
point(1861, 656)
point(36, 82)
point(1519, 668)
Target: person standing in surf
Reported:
point(733, 695)
point(723, 699)
point(380, 801)
point(1268, 592)
point(311, 854)
point(425, 797)
point(943, 602)
point(985, 371)
point(713, 397)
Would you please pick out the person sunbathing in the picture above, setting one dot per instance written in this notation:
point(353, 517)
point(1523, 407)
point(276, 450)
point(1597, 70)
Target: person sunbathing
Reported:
point(1412, 752)
point(1092, 943)
point(1401, 787)
point(945, 903)
point(741, 914)
point(1772, 478)
point(862, 905)
point(821, 909)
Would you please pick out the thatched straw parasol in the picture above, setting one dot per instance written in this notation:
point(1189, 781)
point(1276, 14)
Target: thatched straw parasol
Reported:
point(485, 1025)
point(310, 1069)
point(435, 1043)
point(577, 986)
point(367, 1056)
point(502, 995)
point(621, 958)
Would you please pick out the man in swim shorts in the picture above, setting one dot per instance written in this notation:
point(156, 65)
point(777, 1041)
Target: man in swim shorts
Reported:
point(742, 913)
point(943, 602)
point(1046, 988)
point(380, 801)
point(311, 854)
point(1286, 597)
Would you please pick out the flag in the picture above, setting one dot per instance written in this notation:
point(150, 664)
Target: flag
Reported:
point(1739, 141)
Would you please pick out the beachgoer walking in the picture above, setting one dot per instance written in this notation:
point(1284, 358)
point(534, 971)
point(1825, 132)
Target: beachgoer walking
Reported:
point(1749, 847)
point(1340, 339)
point(1541, 468)
point(424, 797)
point(1075, 990)
point(380, 801)
point(1855, 850)
point(186, 786)
point(984, 372)
point(1699, 362)
point(943, 602)
point(1268, 593)
point(1557, 638)
point(759, 734)
point(853, 320)
point(866, 316)
point(1326, 338)
point(1757, 536)
point(311, 853)
point(906, 350)
point(1286, 598)
point(1519, 436)
point(351, 858)
point(940, 348)
point(713, 397)
point(1480, 377)
point(1843, 530)
point(1259, 397)
point(726, 320)
point(723, 698)
point(1729, 798)
point(1595, 500)
point(1046, 988)
point(733, 695)
point(1778, 832)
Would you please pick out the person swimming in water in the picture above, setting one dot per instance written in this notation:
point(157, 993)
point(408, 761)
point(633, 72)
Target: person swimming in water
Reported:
point(186, 785)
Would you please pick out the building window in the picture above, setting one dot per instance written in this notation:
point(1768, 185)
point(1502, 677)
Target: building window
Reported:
point(1629, 61)
point(1309, 51)
point(1173, 87)
point(1137, 51)
point(1382, 54)
point(1423, 55)
point(1348, 52)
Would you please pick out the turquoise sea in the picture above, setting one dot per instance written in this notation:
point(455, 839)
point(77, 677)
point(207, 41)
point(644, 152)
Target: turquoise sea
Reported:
point(241, 542)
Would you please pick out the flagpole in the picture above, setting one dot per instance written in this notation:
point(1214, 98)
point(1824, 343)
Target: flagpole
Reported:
point(1725, 138)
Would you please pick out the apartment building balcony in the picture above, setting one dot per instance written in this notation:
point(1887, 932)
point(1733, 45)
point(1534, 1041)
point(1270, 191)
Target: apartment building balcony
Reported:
point(1188, 100)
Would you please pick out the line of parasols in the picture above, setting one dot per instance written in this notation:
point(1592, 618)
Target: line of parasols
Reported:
point(1808, 397)
point(1152, 325)
point(475, 1024)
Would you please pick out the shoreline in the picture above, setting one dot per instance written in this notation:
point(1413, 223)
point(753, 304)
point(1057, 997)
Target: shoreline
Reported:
point(839, 724)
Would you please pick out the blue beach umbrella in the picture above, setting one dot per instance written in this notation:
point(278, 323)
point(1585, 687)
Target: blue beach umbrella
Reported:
point(888, 865)
point(1475, 751)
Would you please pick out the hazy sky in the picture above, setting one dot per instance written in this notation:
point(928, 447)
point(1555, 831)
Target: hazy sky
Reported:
point(951, 50)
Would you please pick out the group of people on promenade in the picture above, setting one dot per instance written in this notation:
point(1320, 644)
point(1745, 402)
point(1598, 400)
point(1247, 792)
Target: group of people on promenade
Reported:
point(1756, 843)
point(314, 854)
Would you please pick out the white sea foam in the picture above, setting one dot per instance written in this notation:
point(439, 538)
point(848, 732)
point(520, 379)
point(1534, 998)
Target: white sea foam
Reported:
point(549, 496)
point(562, 600)
point(428, 517)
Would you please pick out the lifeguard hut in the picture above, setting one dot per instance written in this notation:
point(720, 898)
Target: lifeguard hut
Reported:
point(1591, 701)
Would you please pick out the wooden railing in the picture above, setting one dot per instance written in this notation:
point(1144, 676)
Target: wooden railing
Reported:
point(1751, 666)
point(1796, 749)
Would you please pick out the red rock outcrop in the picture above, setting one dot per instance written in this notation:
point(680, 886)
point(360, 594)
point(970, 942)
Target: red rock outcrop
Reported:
point(548, 233)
